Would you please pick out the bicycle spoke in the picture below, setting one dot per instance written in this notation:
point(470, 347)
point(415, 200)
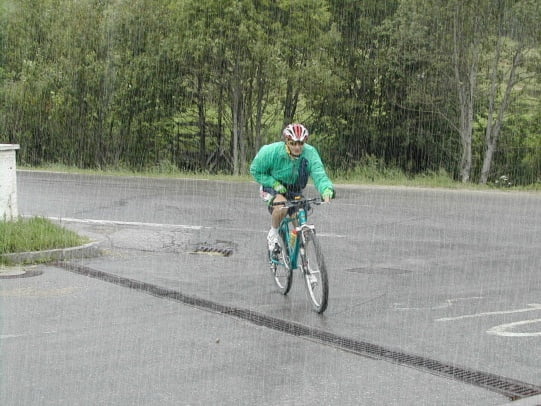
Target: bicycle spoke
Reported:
point(315, 274)
point(281, 268)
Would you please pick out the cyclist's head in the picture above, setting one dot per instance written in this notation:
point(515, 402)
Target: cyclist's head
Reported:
point(295, 135)
point(295, 132)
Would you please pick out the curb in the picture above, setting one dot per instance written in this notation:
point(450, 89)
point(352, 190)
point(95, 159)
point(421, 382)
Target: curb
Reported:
point(91, 249)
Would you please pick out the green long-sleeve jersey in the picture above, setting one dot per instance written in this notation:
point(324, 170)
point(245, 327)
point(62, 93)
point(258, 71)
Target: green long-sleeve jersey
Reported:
point(273, 163)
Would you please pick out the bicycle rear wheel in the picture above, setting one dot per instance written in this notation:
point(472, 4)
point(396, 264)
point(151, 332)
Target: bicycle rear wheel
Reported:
point(314, 271)
point(281, 267)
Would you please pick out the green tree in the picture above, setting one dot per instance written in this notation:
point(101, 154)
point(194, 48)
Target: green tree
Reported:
point(515, 46)
point(228, 69)
point(419, 84)
point(25, 93)
point(456, 49)
point(371, 99)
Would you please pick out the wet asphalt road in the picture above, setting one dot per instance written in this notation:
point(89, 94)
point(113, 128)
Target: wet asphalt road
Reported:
point(445, 275)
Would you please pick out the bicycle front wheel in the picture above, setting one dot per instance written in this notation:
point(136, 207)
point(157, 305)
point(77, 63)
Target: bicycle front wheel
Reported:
point(281, 267)
point(315, 272)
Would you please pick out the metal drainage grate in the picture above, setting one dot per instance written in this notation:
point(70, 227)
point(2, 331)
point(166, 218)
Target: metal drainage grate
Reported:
point(213, 250)
point(511, 388)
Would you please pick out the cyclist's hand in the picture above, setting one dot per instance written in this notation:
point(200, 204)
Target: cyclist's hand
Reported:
point(279, 188)
point(327, 195)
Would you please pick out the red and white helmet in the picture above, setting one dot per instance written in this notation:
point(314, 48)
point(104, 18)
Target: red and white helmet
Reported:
point(295, 132)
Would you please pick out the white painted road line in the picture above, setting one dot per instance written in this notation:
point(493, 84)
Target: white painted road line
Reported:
point(161, 225)
point(533, 307)
point(503, 329)
point(125, 223)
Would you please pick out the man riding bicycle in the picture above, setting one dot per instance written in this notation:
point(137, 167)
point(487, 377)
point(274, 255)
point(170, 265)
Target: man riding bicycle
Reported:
point(282, 169)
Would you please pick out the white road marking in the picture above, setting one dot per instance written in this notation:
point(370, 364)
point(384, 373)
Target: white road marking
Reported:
point(329, 235)
point(533, 307)
point(161, 225)
point(125, 223)
point(6, 336)
point(38, 292)
point(502, 329)
point(447, 303)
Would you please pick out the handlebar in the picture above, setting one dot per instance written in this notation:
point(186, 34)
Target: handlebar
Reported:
point(299, 202)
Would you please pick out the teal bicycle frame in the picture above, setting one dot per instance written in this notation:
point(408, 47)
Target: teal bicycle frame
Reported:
point(296, 222)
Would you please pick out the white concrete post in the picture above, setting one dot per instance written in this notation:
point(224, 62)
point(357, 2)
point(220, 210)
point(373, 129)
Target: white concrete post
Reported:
point(8, 182)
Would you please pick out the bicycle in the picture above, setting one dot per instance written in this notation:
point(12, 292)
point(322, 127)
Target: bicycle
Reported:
point(297, 247)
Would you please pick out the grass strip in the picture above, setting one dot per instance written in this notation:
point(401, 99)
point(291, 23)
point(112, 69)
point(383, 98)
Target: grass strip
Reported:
point(371, 174)
point(35, 234)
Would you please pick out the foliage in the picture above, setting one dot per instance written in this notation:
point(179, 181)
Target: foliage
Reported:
point(201, 85)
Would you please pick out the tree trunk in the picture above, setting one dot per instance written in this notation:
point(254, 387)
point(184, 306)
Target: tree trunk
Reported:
point(466, 81)
point(466, 159)
point(236, 95)
point(494, 124)
point(290, 104)
point(242, 137)
point(465, 96)
point(202, 124)
point(260, 108)
point(235, 140)
point(220, 129)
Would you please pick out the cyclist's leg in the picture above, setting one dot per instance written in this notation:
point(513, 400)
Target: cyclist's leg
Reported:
point(270, 196)
point(278, 212)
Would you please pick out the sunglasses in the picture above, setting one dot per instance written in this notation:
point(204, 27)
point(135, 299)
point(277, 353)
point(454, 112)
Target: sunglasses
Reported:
point(292, 143)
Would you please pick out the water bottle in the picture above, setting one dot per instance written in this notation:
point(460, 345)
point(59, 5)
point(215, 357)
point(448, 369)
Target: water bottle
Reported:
point(293, 237)
point(302, 216)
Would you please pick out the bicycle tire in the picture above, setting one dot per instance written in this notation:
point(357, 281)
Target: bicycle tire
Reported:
point(314, 272)
point(281, 268)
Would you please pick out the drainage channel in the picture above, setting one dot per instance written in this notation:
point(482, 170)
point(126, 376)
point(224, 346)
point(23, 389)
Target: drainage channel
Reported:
point(510, 388)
